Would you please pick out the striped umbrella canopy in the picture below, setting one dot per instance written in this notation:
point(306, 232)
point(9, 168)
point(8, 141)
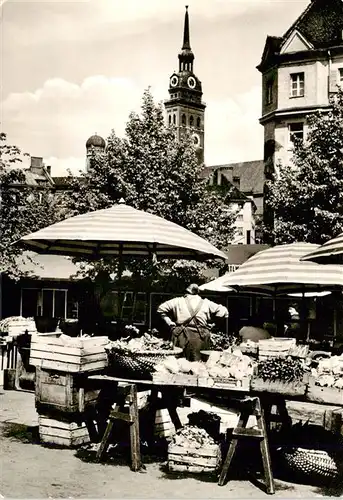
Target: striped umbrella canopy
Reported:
point(120, 231)
point(330, 252)
point(279, 270)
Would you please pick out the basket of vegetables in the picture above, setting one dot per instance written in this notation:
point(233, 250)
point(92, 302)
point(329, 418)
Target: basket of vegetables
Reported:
point(286, 376)
point(137, 357)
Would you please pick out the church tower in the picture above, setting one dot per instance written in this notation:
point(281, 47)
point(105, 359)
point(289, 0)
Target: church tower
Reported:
point(184, 109)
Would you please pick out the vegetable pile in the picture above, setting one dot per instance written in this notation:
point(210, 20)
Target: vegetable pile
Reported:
point(220, 364)
point(190, 436)
point(284, 369)
point(329, 372)
point(146, 342)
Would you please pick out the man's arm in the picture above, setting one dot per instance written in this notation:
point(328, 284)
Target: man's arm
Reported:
point(166, 310)
point(218, 310)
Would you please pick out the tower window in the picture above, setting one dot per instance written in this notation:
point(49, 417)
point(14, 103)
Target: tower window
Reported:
point(340, 79)
point(198, 122)
point(183, 119)
point(191, 120)
point(174, 119)
point(169, 119)
point(296, 132)
point(297, 85)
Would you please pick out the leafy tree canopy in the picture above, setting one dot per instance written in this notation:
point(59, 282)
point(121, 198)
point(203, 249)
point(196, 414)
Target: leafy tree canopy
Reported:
point(154, 172)
point(306, 197)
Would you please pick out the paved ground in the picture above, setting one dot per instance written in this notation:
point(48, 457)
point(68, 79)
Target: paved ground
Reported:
point(29, 470)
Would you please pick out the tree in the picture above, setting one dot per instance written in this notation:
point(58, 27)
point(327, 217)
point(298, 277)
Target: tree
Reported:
point(154, 172)
point(22, 211)
point(306, 197)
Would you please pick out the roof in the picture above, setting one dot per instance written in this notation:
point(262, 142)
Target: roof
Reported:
point(96, 141)
point(250, 173)
point(320, 24)
point(62, 181)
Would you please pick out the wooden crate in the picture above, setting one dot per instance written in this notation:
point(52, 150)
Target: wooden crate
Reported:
point(275, 347)
point(164, 427)
point(319, 394)
point(67, 354)
point(196, 460)
point(60, 391)
point(61, 433)
point(181, 379)
point(294, 388)
point(231, 384)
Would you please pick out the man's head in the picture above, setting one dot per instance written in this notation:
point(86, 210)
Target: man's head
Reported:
point(192, 289)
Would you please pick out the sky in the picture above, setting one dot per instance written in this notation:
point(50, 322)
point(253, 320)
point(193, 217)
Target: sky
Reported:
point(70, 69)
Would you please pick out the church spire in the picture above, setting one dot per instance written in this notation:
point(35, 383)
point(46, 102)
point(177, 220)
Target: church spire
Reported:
point(186, 44)
point(186, 56)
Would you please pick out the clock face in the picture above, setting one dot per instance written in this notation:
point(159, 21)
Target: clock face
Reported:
point(174, 81)
point(191, 82)
point(196, 140)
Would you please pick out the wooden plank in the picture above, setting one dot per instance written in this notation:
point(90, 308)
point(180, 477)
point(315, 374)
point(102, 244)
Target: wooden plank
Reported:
point(66, 358)
point(203, 461)
point(175, 467)
point(206, 451)
point(70, 351)
point(71, 367)
point(59, 424)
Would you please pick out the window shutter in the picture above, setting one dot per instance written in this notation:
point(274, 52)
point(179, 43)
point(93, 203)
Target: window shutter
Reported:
point(333, 81)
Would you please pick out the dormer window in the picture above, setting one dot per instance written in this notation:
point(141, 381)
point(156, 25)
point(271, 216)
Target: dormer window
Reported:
point(297, 85)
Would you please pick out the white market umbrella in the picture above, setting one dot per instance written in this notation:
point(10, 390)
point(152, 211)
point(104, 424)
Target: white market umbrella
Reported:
point(330, 252)
point(279, 270)
point(118, 232)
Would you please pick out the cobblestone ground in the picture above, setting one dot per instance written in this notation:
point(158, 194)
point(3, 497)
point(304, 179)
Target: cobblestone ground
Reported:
point(29, 470)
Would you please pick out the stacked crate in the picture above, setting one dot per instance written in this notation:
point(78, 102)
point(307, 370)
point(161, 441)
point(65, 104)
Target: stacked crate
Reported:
point(62, 364)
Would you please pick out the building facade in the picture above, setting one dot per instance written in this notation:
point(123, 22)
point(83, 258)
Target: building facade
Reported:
point(300, 72)
point(184, 109)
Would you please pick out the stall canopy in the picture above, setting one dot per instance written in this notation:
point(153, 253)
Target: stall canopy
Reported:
point(118, 232)
point(279, 270)
point(330, 252)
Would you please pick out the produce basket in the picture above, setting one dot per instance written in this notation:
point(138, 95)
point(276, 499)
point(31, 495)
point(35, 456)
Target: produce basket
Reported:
point(136, 365)
point(206, 459)
point(308, 466)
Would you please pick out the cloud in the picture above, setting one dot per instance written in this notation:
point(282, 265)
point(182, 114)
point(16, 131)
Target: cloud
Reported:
point(55, 120)
point(233, 133)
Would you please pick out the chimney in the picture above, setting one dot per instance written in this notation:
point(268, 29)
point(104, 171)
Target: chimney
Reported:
point(36, 164)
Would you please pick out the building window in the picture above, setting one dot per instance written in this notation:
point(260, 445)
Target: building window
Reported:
point(198, 122)
point(191, 121)
point(169, 119)
point(183, 119)
point(174, 119)
point(46, 302)
point(340, 77)
point(269, 92)
point(296, 132)
point(297, 85)
point(239, 217)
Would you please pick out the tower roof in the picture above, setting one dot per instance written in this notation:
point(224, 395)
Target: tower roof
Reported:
point(186, 43)
point(186, 51)
point(96, 141)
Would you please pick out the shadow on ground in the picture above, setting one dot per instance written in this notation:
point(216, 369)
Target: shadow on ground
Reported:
point(19, 432)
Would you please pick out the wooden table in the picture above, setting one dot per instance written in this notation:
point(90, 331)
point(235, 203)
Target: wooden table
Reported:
point(171, 395)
